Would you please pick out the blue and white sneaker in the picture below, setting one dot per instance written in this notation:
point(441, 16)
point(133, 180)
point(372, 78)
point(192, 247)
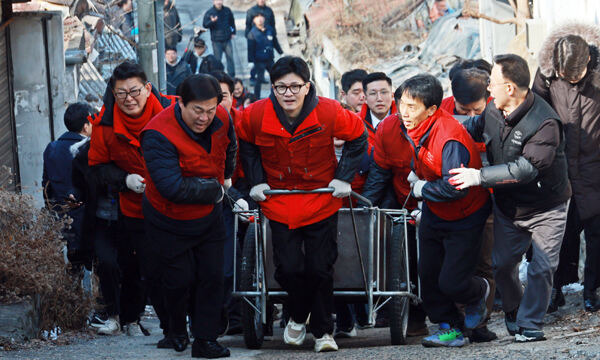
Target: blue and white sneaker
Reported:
point(476, 312)
point(446, 336)
point(510, 320)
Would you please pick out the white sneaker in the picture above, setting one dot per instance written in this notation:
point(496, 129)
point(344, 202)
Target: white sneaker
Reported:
point(338, 333)
point(133, 329)
point(326, 343)
point(110, 327)
point(294, 333)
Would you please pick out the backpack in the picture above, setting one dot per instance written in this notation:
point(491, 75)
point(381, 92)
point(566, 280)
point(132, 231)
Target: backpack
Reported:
point(210, 64)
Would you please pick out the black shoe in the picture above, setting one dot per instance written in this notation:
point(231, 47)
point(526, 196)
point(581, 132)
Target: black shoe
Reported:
point(180, 343)
point(557, 299)
point(510, 320)
point(208, 349)
point(591, 303)
point(482, 334)
point(417, 328)
point(165, 343)
point(528, 335)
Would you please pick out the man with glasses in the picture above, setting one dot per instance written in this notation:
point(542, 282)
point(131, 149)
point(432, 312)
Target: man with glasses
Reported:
point(525, 146)
point(115, 161)
point(286, 142)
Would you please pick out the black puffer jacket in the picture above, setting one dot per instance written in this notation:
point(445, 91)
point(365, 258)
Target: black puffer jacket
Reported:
point(578, 106)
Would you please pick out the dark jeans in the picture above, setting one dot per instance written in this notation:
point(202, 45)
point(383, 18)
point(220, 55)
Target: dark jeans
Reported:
point(196, 272)
point(220, 47)
point(568, 265)
point(106, 248)
point(132, 289)
point(259, 68)
point(447, 267)
point(304, 259)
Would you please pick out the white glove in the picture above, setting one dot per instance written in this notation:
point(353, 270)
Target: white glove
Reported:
point(412, 178)
point(465, 177)
point(417, 188)
point(416, 214)
point(227, 184)
point(341, 188)
point(135, 183)
point(242, 205)
point(257, 193)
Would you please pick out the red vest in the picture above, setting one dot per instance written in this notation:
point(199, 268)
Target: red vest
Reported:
point(393, 152)
point(304, 160)
point(193, 160)
point(449, 105)
point(428, 166)
point(113, 143)
point(360, 180)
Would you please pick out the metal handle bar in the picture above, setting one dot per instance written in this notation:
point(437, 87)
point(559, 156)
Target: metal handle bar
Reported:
point(317, 191)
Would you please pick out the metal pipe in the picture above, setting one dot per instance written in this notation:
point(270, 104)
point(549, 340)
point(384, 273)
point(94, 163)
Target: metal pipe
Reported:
point(160, 37)
point(316, 191)
point(370, 272)
point(48, 79)
point(280, 293)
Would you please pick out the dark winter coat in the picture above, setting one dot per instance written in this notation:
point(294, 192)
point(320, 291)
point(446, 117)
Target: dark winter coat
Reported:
point(173, 29)
point(578, 106)
point(261, 45)
point(56, 177)
point(208, 63)
point(224, 27)
point(267, 13)
point(176, 74)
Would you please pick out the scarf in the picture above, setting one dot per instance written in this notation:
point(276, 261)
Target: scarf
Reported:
point(130, 127)
point(417, 133)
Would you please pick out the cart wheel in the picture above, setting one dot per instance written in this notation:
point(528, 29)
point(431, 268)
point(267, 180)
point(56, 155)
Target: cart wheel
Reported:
point(251, 319)
point(398, 307)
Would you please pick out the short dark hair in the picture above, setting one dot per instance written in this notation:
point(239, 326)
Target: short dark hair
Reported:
point(376, 76)
point(470, 85)
point(257, 15)
point(238, 80)
point(167, 48)
point(424, 87)
point(571, 56)
point(463, 64)
point(127, 70)
point(222, 77)
point(515, 69)
point(290, 64)
point(351, 77)
point(199, 87)
point(76, 116)
point(198, 42)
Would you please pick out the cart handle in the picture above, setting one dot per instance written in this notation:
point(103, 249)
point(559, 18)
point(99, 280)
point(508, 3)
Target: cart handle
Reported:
point(327, 190)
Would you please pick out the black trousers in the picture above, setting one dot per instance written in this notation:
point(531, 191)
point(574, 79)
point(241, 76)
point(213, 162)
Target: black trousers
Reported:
point(259, 68)
point(144, 256)
point(304, 259)
point(106, 249)
point(447, 265)
point(568, 265)
point(192, 279)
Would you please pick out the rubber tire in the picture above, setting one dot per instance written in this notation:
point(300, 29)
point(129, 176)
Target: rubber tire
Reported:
point(251, 320)
point(396, 278)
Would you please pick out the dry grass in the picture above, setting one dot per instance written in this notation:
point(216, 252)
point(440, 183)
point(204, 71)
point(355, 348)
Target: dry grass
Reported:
point(32, 263)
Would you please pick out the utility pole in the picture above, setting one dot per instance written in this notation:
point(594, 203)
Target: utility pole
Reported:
point(160, 35)
point(147, 53)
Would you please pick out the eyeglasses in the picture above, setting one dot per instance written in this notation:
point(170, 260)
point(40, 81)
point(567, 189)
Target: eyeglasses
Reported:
point(490, 84)
point(282, 89)
point(122, 95)
point(382, 93)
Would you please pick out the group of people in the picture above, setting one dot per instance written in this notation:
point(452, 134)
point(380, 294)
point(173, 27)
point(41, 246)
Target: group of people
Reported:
point(489, 174)
point(261, 39)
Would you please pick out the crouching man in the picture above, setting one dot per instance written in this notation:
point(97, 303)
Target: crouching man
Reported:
point(286, 142)
point(189, 151)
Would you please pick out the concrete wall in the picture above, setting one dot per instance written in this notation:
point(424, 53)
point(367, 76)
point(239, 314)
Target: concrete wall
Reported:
point(30, 83)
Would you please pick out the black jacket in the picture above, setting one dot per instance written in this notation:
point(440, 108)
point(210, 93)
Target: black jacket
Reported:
point(267, 13)
point(176, 74)
point(162, 162)
point(223, 27)
point(173, 29)
point(56, 176)
point(526, 151)
point(578, 106)
point(261, 45)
